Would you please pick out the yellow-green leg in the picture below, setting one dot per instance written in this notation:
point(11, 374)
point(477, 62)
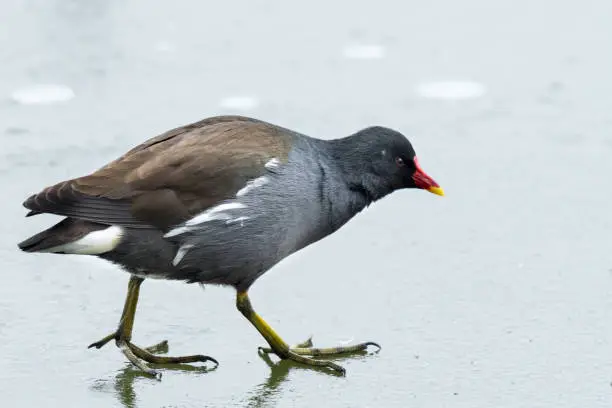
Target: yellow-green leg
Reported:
point(126, 322)
point(297, 354)
point(123, 336)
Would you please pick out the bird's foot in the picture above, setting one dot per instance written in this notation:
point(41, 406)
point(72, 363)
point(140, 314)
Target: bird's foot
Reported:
point(141, 356)
point(299, 351)
point(306, 348)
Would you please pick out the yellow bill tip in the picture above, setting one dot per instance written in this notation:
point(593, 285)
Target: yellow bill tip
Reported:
point(436, 190)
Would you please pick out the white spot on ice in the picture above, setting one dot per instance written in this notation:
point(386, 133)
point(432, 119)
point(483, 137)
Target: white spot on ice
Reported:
point(454, 90)
point(364, 51)
point(43, 94)
point(258, 182)
point(164, 46)
point(239, 102)
point(94, 243)
point(180, 254)
point(215, 213)
point(273, 163)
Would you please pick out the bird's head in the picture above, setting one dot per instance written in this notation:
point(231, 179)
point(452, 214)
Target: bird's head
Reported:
point(388, 162)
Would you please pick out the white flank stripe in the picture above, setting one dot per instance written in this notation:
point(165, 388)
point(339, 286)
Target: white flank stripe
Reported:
point(215, 213)
point(258, 182)
point(94, 243)
point(272, 163)
point(241, 220)
point(176, 231)
point(180, 254)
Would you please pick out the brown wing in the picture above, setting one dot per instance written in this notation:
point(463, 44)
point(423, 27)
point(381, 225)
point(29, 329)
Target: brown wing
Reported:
point(171, 177)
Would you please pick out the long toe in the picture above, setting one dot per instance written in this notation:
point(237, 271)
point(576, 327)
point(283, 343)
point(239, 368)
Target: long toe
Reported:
point(304, 344)
point(101, 343)
point(160, 348)
point(335, 351)
point(338, 369)
point(127, 351)
point(306, 349)
point(154, 359)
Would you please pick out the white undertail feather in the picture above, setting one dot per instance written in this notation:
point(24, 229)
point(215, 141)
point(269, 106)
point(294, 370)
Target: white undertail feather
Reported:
point(94, 243)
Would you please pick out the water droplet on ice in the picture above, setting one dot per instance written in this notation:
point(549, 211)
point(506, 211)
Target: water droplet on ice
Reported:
point(43, 94)
point(364, 51)
point(239, 102)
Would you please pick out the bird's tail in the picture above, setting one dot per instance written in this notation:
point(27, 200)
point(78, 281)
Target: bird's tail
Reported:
point(74, 236)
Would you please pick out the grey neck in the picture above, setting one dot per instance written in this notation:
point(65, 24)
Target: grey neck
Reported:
point(353, 158)
point(350, 184)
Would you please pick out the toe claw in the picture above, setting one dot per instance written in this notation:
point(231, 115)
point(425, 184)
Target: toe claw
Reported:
point(208, 358)
point(339, 369)
point(371, 343)
point(101, 343)
point(97, 345)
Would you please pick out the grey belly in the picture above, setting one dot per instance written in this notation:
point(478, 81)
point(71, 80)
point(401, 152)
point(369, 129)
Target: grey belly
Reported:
point(144, 253)
point(217, 259)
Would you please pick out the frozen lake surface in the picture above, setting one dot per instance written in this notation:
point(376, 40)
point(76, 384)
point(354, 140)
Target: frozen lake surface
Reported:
point(497, 295)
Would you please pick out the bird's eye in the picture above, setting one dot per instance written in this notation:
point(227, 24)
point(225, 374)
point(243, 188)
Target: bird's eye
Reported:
point(399, 161)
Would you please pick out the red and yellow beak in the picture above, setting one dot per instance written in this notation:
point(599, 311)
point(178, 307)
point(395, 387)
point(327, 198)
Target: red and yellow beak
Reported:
point(422, 180)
